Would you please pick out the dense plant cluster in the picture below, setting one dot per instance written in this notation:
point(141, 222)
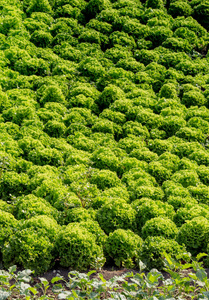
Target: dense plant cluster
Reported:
point(128, 286)
point(104, 131)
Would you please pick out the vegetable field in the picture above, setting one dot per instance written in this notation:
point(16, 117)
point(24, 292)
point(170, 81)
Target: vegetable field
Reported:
point(104, 132)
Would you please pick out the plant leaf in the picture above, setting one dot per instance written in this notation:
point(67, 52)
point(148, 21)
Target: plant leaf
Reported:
point(200, 255)
point(57, 278)
point(12, 269)
point(33, 290)
point(4, 295)
point(201, 275)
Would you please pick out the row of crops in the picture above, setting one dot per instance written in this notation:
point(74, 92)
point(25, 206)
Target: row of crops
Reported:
point(104, 132)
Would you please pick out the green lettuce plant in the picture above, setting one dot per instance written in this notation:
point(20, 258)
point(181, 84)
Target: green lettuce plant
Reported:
point(154, 247)
point(190, 211)
point(194, 234)
point(160, 226)
point(146, 209)
point(29, 206)
point(77, 247)
point(30, 249)
point(115, 214)
point(123, 246)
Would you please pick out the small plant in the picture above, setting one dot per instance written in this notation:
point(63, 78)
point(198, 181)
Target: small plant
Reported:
point(141, 285)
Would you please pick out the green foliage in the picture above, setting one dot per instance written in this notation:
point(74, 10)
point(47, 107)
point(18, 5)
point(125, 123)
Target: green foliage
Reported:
point(110, 94)
point(123, 246)
point(189, 67)
point(168, 90)
point(153, 251)
point(91, 67)
point(203, 173)
point(135, 128)
point(186, 178)
point(184, 148)
point(186, 33)
point(104, 179)
point(200, 156)
point(197, 122)
point(30, 249)
point(180, 8)
point(13, 184)
point(200, 192)
point(160, 146)
point(119, 191)
point(156, 4)
point(80, 4)
point(102, 27)
point(129, 163)
point(104, 158)
point(149, 283)
point(103, 115)
point(96, 6)
point(160, 226)
point(146, 56)
point(116, 214)
point(144, 154)
point(45, 156)
point(55, 128)
point(115, 54)
point(52, 94)
point(130, 143)
point(55, 193)
point(43, 223)
point(178, 201)
point(39, 6)
point(146, 209)
point(78, 214)
point(172, 188)
point(169, 161)
point(194, 235)
point(108, 15)
point(30, 206)
point(201, 13)
point(43, 17)
point(190, 134)
point(4, 206)
point(32, 66)
point(157, 170)
point(93, 227)
point(122, 38)
point(193, 98)
point(69, 11)
point(77, 247)
point(177, 45)
point(41, 38)
point(107, 126)
point(113, 116)
point(159, 34)
point(8, 224)
point(138, 176)
point(190, 211)
point(19, 114)
point(152, 120)
point(130, 64)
